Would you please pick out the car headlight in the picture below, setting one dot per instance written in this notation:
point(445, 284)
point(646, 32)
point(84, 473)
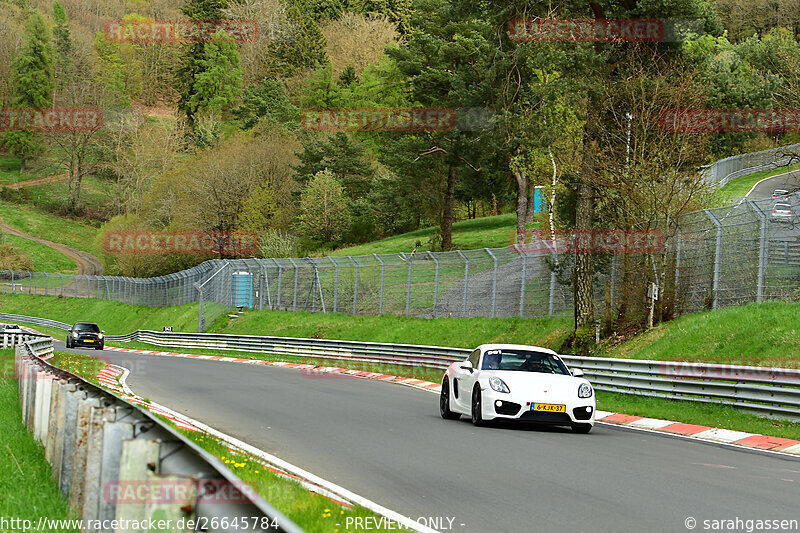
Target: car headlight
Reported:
point(585, 391)
point(498, 385)
point(99, 335)
point(75, 335)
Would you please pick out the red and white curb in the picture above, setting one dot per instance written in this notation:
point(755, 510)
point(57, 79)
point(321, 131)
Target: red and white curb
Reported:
point(692, 431)
point(115, 378)
point(706, 433)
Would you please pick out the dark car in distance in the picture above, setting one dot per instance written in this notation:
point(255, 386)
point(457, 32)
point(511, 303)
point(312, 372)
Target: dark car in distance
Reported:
point(85, 334)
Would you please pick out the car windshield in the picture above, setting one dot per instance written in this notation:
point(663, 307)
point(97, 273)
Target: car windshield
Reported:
point(783, 206)
point(523, 361)
point(89, 328)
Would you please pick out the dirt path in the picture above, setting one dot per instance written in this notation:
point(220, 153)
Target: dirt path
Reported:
point(87, 263)
point(38, 181)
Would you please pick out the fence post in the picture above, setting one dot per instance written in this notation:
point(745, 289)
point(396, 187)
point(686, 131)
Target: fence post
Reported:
point(523, 280)
point(408, 260)
point(296, 273)
point(355, 285)
point(717, 257)
point(12, 282)
point(678, 254)
point(336, 283)
point(46, 282)
point(200, 308)
point(551, 307)
point(30, 283)
point(380, 296)
point(613, 280)
point(466, 280)
point(494, 283)
point(435, 282)
point(762, 250)
point(280, 278)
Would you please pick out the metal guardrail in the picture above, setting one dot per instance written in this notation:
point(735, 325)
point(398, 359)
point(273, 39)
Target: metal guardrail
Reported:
point(100, 445)
point(764, 390)
point(721, 172)
point(10, 340)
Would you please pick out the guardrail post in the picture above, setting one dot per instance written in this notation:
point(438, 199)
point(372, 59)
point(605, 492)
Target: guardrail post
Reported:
point(494, 283)
point(435, 282)
point(762, 250)
point(466, 281)
point(355, 285)
point(383, 273)
point(717, 257)
point(408, 260)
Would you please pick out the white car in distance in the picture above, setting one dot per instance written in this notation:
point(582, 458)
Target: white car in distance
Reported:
point(517, 382)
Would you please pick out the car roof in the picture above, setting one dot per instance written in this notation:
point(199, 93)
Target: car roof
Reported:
point(87, 323)
point(781, 204)
point(781, 190)
point(484, 347)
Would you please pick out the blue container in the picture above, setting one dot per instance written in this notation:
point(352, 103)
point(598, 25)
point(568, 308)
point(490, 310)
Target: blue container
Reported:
point(243, 289)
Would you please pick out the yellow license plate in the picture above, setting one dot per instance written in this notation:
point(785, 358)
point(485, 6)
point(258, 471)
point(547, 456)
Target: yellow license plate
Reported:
point(88, 340)
point(548, 407)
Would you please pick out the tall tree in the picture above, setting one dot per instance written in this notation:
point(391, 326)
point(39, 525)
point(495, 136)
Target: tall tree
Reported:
point(218, 84)
point(446, 57)
point(194, 55)
point(32, 83)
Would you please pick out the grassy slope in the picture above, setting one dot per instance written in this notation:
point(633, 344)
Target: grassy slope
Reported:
point(45, 259)
point(486, 232)
point(26, 489)
point(50, 227)
point(9, 171)
point(755, 334)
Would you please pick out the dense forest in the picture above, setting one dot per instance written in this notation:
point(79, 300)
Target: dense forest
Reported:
point(211, 135)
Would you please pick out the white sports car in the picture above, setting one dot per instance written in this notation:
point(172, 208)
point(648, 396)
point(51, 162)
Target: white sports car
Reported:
point(516, 382)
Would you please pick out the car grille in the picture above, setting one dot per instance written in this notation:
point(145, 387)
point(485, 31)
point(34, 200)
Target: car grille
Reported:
point(546, 418)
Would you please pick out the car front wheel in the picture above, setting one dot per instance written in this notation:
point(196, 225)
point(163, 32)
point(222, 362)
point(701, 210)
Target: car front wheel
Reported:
point(444, 402)
point(68, 344)
point(477, 411)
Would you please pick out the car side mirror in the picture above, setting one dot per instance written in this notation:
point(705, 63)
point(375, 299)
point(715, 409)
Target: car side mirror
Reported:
point(577, 372)
point(467, 365)
point(103, 331)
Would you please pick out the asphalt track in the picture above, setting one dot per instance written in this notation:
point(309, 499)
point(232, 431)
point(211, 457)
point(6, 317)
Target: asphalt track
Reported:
point(789, 181)
point(387, 443)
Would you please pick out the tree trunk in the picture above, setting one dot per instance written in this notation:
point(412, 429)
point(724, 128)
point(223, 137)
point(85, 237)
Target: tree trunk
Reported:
point(447, 213)
point(522, 205)
point(584, 217)
point(22, 164)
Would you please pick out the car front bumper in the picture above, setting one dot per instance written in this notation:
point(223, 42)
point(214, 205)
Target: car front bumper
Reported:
point(508, 406)
point(88, 342)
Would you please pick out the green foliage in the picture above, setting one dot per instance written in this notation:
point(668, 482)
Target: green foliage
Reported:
point(324, 213)
point(303, 48)
point(343, 155)
point(266, 100)
point(258, 210)
point(218, 83)
point(32, 80)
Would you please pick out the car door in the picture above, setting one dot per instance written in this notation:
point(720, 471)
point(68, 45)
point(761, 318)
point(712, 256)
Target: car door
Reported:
point(463, 382)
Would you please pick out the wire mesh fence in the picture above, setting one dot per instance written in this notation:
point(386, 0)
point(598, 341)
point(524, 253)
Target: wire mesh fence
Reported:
point(714, 258)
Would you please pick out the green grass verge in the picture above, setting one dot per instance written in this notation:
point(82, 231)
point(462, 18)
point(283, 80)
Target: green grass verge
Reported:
point(84, 366)
point(312, 512)
point(486, 232)
point(721, 416)
point(736, 188)
point(47, 226)
point(27, 490)
point(44, 258)
point(765, 334)
point(9, 170)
